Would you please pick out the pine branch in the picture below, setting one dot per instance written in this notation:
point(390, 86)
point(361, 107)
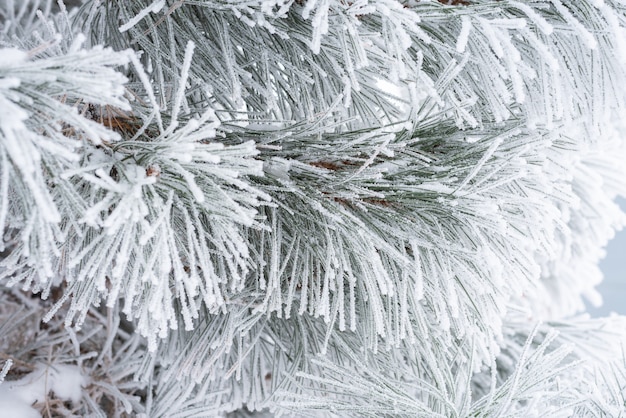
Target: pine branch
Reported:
point(287, 206)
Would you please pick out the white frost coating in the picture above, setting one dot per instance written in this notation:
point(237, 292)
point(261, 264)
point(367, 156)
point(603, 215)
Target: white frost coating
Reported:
point(436, 187)
point(12, 116)
point(193, 186)
point(145, 80)
point(586, 36)
point(543, 50)
point(184, 74)
point(545, 27)
point(6, 367)
point(12, 56)
point(320, 26)
point(469, 255)
point(153, 8)
point(308, 8)
point(511, 58)
point(466, 27)
point(277, 167)
point(492, 37)
point(79, 40)
point(492, 148)
point(16, 397)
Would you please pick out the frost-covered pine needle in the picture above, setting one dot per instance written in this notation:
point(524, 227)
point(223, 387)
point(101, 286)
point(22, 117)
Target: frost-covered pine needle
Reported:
point(353, 208)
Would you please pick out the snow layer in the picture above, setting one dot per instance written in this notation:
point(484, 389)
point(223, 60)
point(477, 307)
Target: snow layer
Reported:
point(17, 397)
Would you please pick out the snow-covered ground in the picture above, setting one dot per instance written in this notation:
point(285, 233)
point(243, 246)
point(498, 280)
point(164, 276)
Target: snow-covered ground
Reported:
point(18, 396)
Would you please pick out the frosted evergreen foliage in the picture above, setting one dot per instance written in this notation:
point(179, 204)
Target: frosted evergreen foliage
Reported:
point(367, 208)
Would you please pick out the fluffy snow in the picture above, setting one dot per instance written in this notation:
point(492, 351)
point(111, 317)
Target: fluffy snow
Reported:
point(11, 56)
point(17, 397)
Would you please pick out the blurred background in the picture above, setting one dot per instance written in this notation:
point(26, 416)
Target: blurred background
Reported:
point(613, 288)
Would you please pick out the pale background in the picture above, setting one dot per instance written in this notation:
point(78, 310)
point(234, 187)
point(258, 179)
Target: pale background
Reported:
point(613, 288)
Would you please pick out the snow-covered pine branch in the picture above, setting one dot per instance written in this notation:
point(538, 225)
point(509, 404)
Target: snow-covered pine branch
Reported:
point(223, 206)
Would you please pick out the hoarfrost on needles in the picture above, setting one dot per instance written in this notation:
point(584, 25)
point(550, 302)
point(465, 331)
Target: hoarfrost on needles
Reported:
point(364, 207)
